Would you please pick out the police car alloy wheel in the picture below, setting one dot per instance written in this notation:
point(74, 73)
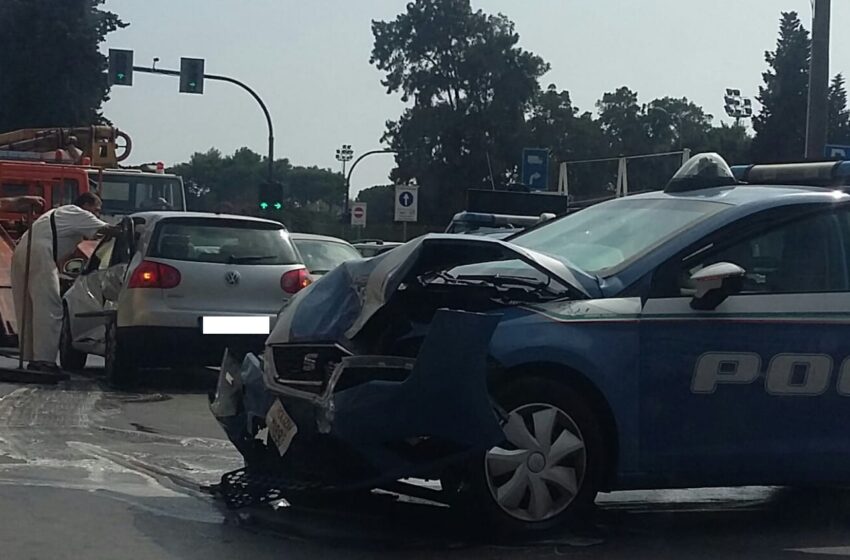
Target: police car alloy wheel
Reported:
point(552, 462)
point(537, 473)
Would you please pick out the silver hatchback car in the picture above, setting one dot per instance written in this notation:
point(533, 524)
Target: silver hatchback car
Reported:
point(177, 291)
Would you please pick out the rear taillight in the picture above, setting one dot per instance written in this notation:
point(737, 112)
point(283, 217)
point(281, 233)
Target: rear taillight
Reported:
point(154, 275)
point(294, 280)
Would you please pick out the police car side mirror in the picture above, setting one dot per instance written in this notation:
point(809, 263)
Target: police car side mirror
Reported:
point(73, 267)
point(714, 283)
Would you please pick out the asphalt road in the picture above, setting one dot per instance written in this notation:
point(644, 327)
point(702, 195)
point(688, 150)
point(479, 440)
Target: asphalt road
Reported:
point(90, 473)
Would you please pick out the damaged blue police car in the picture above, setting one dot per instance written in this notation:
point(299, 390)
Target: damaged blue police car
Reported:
point(695, 336)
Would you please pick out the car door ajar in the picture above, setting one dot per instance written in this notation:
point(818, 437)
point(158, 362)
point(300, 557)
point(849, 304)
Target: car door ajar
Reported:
point(748, 392)
point(85, 301)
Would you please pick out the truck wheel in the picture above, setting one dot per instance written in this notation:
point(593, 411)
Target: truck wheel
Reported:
point(70, 358)
point(551, 464)
point(120, 369)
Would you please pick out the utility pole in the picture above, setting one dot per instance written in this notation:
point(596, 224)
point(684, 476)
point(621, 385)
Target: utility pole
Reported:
point(816, 115)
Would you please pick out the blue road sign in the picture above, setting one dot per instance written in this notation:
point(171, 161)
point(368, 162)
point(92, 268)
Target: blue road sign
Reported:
point(406, 206)
point(835, 151)
point(535, 168)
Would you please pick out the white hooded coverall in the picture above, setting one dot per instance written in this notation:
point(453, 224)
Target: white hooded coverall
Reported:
point(43, 303)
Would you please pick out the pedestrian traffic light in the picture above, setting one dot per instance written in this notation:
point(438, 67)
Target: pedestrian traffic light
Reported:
point(191, 75)
point(120, 67)
point(270, 196)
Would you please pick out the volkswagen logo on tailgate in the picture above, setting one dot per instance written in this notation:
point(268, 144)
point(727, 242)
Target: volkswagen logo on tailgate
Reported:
point(232, 278)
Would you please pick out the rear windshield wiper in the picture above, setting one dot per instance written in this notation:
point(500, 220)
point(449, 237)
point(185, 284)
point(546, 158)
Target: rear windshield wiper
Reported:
point(232, 259)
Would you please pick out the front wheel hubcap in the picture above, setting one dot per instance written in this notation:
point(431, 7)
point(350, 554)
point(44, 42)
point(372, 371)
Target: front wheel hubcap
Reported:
point(538, 471)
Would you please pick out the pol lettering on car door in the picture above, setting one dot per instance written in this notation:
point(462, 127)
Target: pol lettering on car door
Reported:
point(805, 375)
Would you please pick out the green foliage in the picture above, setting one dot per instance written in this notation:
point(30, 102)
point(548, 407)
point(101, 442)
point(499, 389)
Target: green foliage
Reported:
point(781, 125)
point(839, 116)
point(470, 86)
point(555, 123)
point(51, 70)
point(475, 102)
point(626, 127)
point(381, 203)
point(621, 119)
point(731, 142)
point(232, 182)
point(675, 123)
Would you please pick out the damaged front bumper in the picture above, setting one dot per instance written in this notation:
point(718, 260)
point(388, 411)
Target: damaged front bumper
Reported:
point(345, 422)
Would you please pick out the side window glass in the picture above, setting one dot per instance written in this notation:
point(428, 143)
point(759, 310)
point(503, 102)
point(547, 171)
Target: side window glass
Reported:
point(64, 193)
point(121, 250)
point(804, 256)
point(100, 259)
point(21, 189)
point(843, 217)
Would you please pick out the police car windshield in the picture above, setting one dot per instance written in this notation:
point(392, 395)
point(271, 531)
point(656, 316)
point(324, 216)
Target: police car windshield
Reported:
point(604, 237)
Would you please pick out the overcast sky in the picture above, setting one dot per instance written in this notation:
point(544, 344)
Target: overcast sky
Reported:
point(309, 61)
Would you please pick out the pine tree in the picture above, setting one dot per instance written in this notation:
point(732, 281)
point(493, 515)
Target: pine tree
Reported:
point(839, 116)
point(781, 124)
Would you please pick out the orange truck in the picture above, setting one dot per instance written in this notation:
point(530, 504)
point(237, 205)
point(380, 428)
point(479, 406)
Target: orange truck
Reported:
point(58, 164)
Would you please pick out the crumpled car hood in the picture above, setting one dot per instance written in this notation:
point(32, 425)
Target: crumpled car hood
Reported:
point(339, 305)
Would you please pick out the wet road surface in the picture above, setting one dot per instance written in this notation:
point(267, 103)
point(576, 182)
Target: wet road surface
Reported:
point(86, 472)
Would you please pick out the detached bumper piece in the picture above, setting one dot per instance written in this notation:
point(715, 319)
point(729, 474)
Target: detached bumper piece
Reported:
point(248, 487)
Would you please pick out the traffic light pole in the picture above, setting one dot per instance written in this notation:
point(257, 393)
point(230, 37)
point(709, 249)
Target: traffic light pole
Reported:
point(234, 81)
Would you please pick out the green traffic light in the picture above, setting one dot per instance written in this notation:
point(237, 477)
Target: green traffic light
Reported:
point(278, 205)
point(264, 205)
point(120, 76)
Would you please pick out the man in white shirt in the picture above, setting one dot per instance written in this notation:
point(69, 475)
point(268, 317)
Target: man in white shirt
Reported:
point(54, 235)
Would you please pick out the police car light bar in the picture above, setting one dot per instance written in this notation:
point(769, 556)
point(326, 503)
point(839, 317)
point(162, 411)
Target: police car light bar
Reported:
point(813, 174)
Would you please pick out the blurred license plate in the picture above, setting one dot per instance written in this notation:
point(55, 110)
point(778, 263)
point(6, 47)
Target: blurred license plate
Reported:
point(256, 324)
point(281, 427)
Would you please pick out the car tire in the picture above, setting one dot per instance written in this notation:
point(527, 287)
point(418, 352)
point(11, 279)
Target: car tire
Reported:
point(70, 358)
point(524, 486)
point(120, 368)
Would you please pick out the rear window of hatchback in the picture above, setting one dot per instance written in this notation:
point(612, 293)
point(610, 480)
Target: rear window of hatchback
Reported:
point(222, 241)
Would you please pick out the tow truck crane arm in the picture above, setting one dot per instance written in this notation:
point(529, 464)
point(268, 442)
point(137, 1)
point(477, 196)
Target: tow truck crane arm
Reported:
point(99, 143)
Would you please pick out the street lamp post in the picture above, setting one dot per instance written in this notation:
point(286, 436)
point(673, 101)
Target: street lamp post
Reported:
point(351, 170)
point(737, 106)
